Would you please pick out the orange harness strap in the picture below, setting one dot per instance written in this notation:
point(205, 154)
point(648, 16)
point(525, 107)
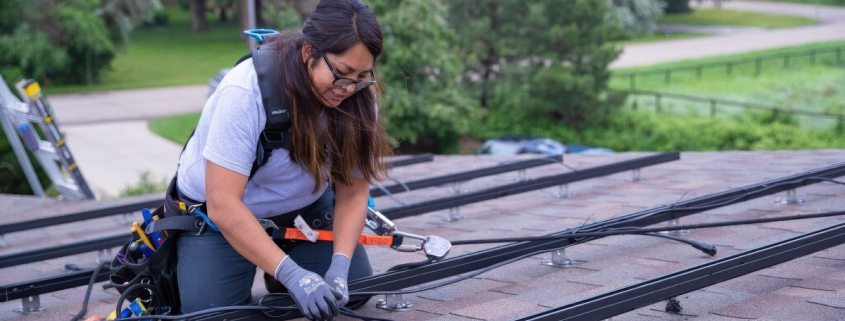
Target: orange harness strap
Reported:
point(296, 234)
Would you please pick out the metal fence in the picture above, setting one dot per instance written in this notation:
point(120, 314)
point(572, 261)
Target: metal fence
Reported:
point(729, 65)
point(715, 103)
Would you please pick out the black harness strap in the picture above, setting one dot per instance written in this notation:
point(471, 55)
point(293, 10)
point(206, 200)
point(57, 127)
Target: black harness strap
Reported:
point(276, 133)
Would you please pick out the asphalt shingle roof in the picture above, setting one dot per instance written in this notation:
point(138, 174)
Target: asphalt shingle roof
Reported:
point(809, 288)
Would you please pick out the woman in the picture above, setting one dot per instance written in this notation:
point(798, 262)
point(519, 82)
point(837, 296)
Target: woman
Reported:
point(326, 72)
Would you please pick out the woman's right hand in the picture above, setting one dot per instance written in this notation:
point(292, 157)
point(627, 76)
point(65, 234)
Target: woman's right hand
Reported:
point(312, 295)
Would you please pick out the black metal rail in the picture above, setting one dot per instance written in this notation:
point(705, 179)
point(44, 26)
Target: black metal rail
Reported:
point(527, 186)
point(467, 175)
point(137, 206)
point(636, 296)
point(116, 240)
point(396, 212)
point(50, 284)
point(63, 250)
point(416, 159)
point(474, 261)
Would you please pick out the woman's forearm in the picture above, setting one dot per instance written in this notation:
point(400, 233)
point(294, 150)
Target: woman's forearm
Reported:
point(246, 235)
point(350, 213)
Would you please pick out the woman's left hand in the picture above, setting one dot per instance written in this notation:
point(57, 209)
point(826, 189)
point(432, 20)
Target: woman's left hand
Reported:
point(337, 275)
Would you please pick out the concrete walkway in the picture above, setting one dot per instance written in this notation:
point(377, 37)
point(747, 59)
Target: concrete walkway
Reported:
point(107, 134)
point(831, 28)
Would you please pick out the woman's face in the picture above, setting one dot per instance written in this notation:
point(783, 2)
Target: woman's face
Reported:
point(356, 63)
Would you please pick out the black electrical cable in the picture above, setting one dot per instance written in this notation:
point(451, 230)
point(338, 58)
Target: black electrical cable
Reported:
point(635, 230)
point(608, 231)
point(88, 292)
point(412, 265)
point(156, 296)
point(207, 312)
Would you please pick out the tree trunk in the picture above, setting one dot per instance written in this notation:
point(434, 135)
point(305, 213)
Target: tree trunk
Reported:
point(198, 23)
point(223, 17)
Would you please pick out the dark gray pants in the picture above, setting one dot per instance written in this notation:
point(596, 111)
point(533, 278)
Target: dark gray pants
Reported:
point(212, 274)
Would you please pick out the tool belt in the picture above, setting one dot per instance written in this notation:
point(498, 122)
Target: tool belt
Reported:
point(179, 215)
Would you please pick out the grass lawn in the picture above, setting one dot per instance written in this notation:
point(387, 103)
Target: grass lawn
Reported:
point(840, 3)
point(807, 86)
point(657, 36)
point(169, 57)
point(176, 128)
point(721, 17)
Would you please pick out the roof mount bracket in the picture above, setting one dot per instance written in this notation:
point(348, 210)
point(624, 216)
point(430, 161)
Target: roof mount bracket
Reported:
point(395, 303)
point(558, 259)
point(791, 198)
point(455, 212)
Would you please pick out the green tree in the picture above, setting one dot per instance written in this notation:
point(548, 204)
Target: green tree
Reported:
point(490, 32)
point(677, 6)
point(639, 16)
point(418, 70)
point(574, 39)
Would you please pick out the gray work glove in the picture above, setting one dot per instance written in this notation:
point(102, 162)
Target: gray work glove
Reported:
point(336, 277)
point(312, 295)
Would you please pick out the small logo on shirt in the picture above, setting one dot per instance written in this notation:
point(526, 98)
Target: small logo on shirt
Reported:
point(278, 111)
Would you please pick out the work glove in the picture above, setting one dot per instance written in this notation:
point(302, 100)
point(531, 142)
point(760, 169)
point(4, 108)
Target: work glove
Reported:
point(336, 277)
point(312, 295)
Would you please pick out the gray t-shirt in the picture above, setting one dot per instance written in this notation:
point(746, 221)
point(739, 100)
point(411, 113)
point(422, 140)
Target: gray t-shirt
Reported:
point(227, 134)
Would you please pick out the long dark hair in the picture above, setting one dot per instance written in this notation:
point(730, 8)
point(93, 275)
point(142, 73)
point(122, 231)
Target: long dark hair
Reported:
point(351, 137)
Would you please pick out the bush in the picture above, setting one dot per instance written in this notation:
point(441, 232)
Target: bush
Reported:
point(12, 178)
point(146, 185)
point(643, 131)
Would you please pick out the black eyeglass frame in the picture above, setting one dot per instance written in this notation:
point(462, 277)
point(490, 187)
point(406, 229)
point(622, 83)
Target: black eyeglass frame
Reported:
point(337, 78)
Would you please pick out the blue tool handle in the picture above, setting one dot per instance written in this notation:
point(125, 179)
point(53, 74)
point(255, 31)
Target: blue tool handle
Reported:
point(146, 251)
point(148, 216)
point(259, 34)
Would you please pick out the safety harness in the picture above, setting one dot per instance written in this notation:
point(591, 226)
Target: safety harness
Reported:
point(145, 267)
point(155, 267)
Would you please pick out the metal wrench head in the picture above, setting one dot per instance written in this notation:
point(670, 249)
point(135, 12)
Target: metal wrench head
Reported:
point(436, 246)
point(268, 224)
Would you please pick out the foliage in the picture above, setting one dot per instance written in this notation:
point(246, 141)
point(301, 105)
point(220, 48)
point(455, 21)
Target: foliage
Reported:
point(417, 70)
point(86, 40)
point(575, 41)
point(283, 17)
point(29, 52)
point(64, 41)
point(146, 185)
point(643, 131)
point(12, 178)
point(490, 33)
point(121, 16)
point(639, 17)
point(677, 6)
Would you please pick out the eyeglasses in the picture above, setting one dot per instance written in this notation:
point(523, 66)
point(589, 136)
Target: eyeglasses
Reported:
point(343, 81)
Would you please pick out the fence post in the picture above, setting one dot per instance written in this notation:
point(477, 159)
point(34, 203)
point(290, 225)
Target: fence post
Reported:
point(633, 78)
point(838, 56)
point(712, 108)
point(730, 68)
point(657, 106)
point(812, 57)
point(698, 72)
point(786, 61)
point(758, 65)
point(668, 77)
